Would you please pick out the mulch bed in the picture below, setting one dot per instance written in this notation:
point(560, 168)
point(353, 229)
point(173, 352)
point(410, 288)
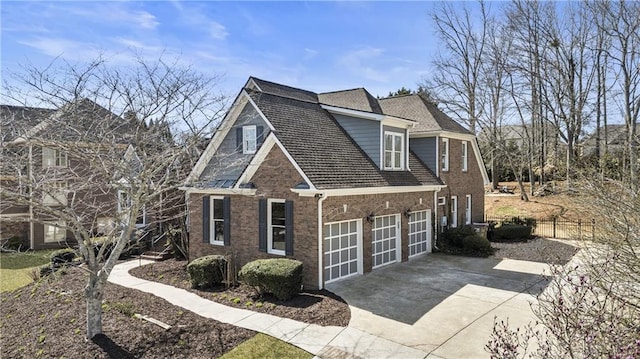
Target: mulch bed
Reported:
point(536, 250)
point(319, 307)
point(48, 320)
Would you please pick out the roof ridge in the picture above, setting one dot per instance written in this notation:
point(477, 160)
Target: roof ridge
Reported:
point(347, 90)
point(278, 95)
point(282, 85)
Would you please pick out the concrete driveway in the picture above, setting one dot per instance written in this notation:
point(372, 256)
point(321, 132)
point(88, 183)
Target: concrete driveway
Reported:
point(442, 305)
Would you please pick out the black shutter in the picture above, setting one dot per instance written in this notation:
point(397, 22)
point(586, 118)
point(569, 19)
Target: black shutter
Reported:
point(259, 135)
point(262, 225)
point(206, 210)
point(226, 214)
point(288, 225)
point(239, 139)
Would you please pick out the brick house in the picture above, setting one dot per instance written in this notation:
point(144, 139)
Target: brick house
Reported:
point(333, 180)
point(39, 164)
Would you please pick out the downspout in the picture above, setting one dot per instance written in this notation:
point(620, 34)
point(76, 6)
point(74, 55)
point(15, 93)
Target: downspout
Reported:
point(29, 174)
point(321, 197)
point(436, 219)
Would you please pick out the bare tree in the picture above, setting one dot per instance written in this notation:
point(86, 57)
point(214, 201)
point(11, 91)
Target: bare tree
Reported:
point(591, 309)
point(456, 79)
point(618, 21)
point(110, 167)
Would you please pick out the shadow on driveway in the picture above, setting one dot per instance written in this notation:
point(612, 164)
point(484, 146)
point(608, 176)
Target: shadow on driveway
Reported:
point(404, 292)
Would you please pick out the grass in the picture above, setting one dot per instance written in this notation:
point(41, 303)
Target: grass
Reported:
point(15, 268)
point(264, 346)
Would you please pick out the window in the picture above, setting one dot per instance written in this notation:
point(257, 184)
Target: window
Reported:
point(54, 232)
point(275, 226)
point(277, 229)
point(467, 210)
point(464, 155)
point(444, 155)
point(216, 220)
point(393, 151)
point(55, 194)
point(53, 158)
point(454, 211)
point(249, 139)
point(442, 201)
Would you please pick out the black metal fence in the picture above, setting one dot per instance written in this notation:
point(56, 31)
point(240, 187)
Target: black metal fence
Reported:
point(555, 228)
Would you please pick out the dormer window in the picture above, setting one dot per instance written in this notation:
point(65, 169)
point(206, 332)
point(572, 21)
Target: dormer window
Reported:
point(393, 150)
point(249, 139)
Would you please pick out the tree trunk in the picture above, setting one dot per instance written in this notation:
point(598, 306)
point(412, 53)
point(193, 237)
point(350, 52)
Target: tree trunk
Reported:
point(93, 294)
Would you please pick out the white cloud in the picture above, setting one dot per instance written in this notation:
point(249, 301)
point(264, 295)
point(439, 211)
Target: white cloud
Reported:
point(310, 53)
point(358, 62)
point(69, 49)
point(217, 30)
point(115, 13)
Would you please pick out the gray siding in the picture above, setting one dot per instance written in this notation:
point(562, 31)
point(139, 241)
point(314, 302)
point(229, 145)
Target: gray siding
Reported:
point(366, 133)
point(229, 162)
point(425, 149)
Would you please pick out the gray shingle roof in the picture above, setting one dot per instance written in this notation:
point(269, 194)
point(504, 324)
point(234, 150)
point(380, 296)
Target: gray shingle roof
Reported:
point(356, 99)
point(285, 91)
point(325, 152)
point(15, 121)
point(427, 115)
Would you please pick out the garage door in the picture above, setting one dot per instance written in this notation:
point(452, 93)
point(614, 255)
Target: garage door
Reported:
point(342, 249)
point(419, 232)
point(386, 240)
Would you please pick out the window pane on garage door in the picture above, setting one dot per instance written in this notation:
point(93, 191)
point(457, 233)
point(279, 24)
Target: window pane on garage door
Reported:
point(385, 240)
point(341, 253)
point(419, 232)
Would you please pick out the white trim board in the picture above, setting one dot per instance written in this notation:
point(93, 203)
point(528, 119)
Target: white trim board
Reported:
point(366, 190)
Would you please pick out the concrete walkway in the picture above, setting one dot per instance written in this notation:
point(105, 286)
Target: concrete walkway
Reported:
point(325, 342)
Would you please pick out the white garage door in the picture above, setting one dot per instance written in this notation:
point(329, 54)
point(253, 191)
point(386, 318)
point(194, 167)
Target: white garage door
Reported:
point(386, 240)
point(419, 232)
point(342, 249)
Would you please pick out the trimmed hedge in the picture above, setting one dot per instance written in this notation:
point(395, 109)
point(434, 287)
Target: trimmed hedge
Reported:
point(207, 271)
point(281, 277)
point(511, 233)
point(454, 236)
point(477, 244)
point(62, 256)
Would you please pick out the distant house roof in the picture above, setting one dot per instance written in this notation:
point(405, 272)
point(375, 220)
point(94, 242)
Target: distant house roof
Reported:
point(356, 99)
point(427, 115)
point(15, 121)
point(324, 151)
point(616, 135)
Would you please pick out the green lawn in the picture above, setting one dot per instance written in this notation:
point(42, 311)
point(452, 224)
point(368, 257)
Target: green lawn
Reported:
point(15, 268)
point(265, 347)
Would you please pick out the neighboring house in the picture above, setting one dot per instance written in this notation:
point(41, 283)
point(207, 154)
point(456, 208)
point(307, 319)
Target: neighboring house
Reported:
point(42, 168)
point(613, 138)
point(333, 180)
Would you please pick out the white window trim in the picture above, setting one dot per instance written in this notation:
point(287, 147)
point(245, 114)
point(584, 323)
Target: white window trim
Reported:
point(121, 210)
point(467, 212)
point(270, 228)
point(454, 211)
point(394, 166)
point(246, 130)
point(442, 201)
point(465, 156)
point(56, 194)
point(59, 232)
point(58, 158)
point(444, 156)
point(212, 221)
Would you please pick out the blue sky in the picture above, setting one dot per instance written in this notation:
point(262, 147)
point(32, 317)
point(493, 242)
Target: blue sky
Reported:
point(319, 46)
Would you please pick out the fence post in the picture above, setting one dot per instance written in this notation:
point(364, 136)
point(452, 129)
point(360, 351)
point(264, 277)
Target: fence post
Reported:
point(554, 227)
point(580, 229)
point(593, 229)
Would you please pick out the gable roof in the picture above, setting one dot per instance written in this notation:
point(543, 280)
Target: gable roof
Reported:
point(283, 90)
point(325, 152)
point(15, 121)
point(427, 115)
point(356, 99)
